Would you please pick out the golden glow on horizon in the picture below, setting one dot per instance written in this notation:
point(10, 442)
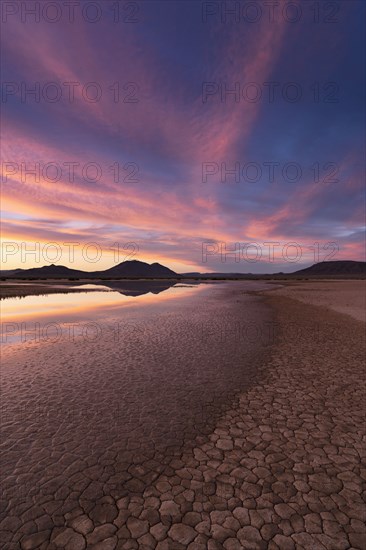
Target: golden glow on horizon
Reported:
point(24, 254)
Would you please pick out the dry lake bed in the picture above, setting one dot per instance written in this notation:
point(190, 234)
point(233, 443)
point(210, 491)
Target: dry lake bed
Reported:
point(198, 416)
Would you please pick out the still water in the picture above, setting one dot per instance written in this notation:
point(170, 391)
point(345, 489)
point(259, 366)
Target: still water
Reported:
point(26, 318)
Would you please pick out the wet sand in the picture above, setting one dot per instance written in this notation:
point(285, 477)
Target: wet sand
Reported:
point(221, 441)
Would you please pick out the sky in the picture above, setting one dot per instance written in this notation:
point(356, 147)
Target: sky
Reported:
point(207, 136)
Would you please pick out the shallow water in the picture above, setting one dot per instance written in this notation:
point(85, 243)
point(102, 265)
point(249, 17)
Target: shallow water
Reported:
point(50, 317)
point(145, 377)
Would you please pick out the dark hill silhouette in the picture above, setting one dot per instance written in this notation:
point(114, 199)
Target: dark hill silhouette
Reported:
point(339, 267)
point(132, 268)
point(51, 271)
point(135, 268)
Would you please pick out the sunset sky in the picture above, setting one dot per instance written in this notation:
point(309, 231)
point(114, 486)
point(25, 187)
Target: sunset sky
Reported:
point(139, 155)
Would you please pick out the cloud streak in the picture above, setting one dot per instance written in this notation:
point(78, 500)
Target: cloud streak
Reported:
point(162, 131)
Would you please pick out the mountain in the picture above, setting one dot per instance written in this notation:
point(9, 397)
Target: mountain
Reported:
point(141, 270)
point(132, 268)
point(51, 271)
point(335, 268)
point(339, 268)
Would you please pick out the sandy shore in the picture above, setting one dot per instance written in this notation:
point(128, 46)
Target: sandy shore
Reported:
point(281, 468)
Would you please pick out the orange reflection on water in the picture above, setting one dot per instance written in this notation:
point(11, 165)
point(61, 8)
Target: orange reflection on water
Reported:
point(76, 305)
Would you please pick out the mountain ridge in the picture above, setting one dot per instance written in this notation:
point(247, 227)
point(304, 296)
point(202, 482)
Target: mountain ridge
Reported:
point(139, 269)
point(129, 268)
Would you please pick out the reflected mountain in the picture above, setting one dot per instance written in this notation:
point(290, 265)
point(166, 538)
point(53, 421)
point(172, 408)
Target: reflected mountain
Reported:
point(130, 288)
point(138, 288)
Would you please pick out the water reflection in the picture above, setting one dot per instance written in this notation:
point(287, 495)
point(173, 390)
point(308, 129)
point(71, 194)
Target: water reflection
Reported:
point(125, 287)
point(85, 304)
point(139, 288)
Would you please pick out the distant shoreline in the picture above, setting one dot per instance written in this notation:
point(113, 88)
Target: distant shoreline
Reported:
point(11, 287)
